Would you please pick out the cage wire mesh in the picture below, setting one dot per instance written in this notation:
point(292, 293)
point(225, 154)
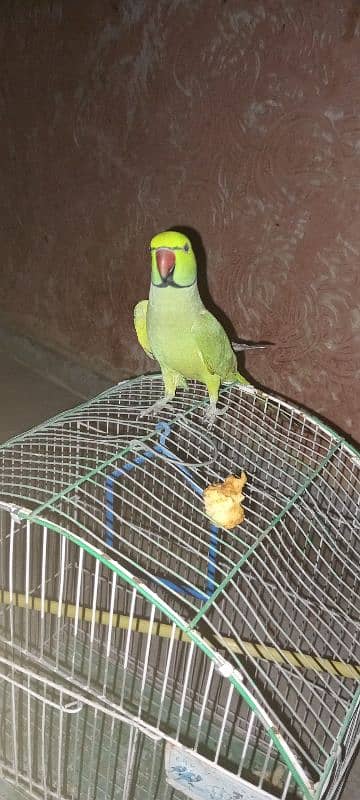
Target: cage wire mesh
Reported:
point(146, 652)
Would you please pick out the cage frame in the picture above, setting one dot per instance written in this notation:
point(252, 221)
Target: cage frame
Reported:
point(189, 629)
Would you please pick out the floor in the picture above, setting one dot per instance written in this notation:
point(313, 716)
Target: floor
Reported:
point(27, 398)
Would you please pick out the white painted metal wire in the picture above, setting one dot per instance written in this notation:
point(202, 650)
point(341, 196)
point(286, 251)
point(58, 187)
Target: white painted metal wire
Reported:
point(129, 623)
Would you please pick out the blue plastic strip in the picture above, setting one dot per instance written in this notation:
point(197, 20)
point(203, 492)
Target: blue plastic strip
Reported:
point(164, 430)
point(109, 493)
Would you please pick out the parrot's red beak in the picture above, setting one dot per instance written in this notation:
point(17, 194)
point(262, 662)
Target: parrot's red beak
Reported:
point(165, 260)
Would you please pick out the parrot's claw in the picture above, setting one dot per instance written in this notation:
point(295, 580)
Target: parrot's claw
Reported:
point(210, 414)
point(155, 408)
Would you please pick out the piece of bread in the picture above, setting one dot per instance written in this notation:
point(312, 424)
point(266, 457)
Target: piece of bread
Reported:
point(223, 501)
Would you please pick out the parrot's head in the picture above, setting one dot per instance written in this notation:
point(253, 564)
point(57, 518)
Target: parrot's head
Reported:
point(173, 261)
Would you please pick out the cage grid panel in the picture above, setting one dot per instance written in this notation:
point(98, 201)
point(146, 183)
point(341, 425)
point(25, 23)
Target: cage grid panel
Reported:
point(240, 646)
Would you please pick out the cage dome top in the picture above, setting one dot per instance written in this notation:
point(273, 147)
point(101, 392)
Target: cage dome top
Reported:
point(276, 598)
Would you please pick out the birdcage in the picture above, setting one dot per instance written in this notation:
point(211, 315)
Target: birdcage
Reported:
point(147, 652)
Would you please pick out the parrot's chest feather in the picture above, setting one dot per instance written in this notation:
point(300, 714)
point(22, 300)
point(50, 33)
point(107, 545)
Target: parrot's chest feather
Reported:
point(171, 315)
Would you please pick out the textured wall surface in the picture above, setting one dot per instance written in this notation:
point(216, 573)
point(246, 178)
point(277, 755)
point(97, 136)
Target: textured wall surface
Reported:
point(238, 118)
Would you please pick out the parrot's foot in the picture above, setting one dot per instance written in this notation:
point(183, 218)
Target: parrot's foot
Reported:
point(156, 407)
point(181, 382)
point(211, 412)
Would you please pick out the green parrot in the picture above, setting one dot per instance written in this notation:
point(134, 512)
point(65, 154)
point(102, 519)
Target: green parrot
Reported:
point(175, 328)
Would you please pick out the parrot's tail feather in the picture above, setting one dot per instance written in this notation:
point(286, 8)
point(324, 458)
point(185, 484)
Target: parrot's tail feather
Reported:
point(239, 346)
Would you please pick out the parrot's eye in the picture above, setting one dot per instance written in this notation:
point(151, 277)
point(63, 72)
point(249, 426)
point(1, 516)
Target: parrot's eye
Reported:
point(186, 248)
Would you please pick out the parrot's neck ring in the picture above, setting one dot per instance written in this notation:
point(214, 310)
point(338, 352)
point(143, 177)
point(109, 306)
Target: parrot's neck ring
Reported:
point(170, 282)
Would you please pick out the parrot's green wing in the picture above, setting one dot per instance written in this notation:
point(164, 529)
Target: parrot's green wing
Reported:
point(214, 345)
point(140, 312)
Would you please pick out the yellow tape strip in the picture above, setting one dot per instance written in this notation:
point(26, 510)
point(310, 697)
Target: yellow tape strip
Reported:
point(163, 630)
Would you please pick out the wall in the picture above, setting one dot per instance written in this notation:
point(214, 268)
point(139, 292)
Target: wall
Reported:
point(238, 118)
